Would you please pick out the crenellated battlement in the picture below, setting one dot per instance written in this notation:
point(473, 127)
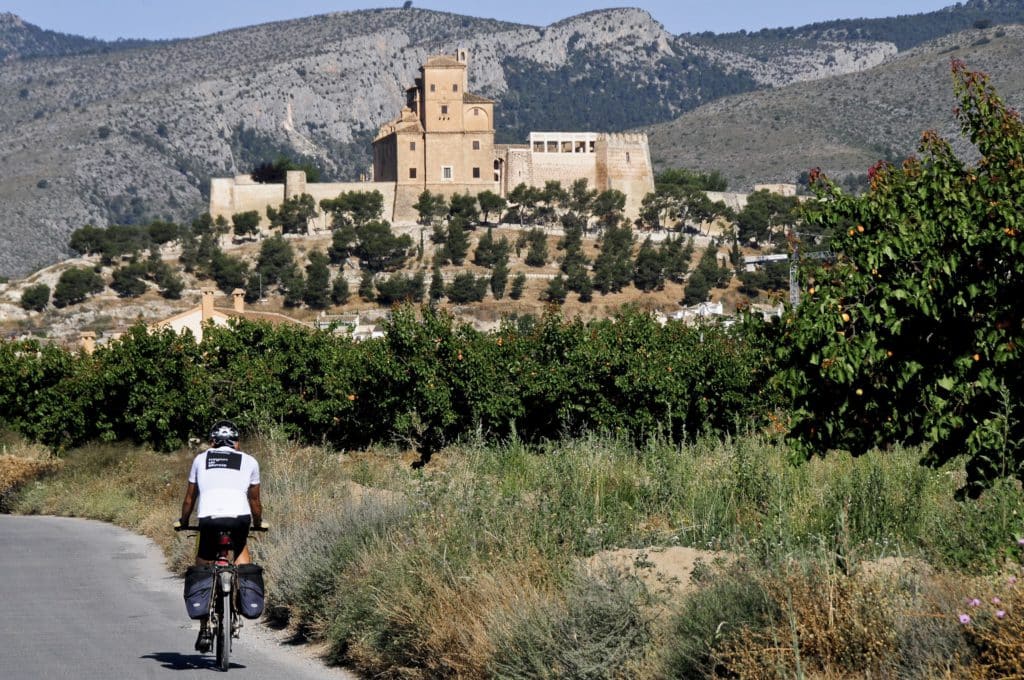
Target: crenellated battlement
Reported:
point(443, 141)
point(627, 138)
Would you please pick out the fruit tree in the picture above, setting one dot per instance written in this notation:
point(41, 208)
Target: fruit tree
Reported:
point(914, 334)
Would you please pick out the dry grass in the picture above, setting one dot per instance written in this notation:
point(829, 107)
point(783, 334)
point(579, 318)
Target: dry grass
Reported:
point(996, 629)
point(21, 463)
point(885, 623)
point(506, 562)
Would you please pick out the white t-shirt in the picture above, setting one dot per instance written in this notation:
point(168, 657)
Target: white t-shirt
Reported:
point(223, 476)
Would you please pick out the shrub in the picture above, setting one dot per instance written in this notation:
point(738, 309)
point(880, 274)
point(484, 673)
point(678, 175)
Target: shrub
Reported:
point(711, 619)
point(35, 298)
point(466, 287)
point(75, 285)
point(400, 288)
point(128, 281)
point(598, 631)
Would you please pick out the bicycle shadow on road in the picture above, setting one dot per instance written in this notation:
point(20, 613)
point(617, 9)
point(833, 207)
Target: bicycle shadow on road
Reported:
point(176, 661)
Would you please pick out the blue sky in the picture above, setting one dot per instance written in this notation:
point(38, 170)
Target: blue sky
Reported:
point(110, 19)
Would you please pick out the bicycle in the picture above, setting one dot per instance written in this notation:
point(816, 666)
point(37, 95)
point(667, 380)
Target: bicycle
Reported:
point(224, 615)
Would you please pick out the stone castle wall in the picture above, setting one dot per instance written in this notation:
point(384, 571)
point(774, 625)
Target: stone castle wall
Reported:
point(518, 168)
point(732, 199)
point(230, 195)
point(626, 162)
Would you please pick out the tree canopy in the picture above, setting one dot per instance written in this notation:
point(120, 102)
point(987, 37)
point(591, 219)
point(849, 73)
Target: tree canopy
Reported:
point(915, 333)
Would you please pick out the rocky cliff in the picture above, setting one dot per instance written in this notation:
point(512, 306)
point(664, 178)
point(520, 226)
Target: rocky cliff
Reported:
point(126, 133)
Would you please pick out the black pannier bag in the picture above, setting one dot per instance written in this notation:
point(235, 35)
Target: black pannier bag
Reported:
point(199, 583)
point(250, 590)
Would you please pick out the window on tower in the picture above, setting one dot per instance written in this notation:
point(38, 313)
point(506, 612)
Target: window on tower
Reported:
point(476, 145)
point(476, 173)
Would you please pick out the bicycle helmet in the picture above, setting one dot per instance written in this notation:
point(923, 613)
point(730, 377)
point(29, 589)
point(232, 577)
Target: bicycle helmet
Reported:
point(224, 432)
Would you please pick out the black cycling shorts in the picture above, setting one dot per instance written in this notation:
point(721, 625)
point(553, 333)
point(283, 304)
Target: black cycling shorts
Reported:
point(209, 535)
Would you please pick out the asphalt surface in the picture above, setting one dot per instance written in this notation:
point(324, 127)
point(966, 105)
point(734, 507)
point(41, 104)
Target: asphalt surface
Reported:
point(83, 599)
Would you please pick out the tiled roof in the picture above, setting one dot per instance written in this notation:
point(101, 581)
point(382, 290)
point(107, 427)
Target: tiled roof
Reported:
point(475, 99)
point(270, 317)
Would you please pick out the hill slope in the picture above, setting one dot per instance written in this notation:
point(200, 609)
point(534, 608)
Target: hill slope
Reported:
point(842, 124)
point(123, 132)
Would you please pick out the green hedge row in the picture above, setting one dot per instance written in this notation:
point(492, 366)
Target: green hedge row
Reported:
point(429, 382)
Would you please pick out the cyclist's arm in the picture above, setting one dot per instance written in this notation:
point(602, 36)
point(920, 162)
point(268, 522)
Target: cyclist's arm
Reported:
point(255, 507)
point(191, 492)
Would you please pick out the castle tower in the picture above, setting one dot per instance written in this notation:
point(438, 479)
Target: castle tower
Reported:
point(443, 140)
point(444, 86)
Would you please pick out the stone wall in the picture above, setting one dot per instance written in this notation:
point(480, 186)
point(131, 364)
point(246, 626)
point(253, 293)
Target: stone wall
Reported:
point(230, 195)
point(518, 168)
point(627, 166)
point(780, 189)
point(734, 200)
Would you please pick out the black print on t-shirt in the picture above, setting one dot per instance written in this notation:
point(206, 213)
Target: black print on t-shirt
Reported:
point(215, 460)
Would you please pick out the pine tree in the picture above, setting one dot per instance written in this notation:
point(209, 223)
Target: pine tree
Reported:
point(35, 298)
point(518, 284)
point(499, 278)
point(293, 285)
point(366, 287)
point(316, 292)
point(436, 283)
point(339, 290)
point(457, 245)
point(736, 257)
point(483, 256)
point(697, 288)
point(585, 288)
point(556, 291)
point(613, 268)
point(276, 255)
point(676, 254)
point(537, 255)
point(430, 207)
point(648, 273)
point(467, 288)
point(169, 283)
point(127, 281)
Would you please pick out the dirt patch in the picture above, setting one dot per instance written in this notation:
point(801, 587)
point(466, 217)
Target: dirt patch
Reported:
point(361, 494)
point(895, 567)
point(671, 571)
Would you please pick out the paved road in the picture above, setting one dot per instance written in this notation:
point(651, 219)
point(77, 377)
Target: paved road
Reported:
point(82, 599)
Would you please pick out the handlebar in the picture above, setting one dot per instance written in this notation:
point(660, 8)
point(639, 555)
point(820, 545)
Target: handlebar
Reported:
point(264, 526)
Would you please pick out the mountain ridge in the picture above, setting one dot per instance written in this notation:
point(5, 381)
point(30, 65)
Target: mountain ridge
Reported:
point(131, 134)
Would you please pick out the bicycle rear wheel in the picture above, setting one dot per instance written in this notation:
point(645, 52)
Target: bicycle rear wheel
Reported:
point(222, 636)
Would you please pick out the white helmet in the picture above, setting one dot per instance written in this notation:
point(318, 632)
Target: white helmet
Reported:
point(224, 432)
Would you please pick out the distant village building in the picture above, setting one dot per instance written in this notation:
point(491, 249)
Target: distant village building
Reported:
point(443, 141)
point(195, 318)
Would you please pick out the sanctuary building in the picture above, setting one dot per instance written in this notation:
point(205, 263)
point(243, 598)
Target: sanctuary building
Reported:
point(443, 141)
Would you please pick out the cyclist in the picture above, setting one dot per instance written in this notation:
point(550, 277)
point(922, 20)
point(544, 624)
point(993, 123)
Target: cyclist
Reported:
point(227, 483)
